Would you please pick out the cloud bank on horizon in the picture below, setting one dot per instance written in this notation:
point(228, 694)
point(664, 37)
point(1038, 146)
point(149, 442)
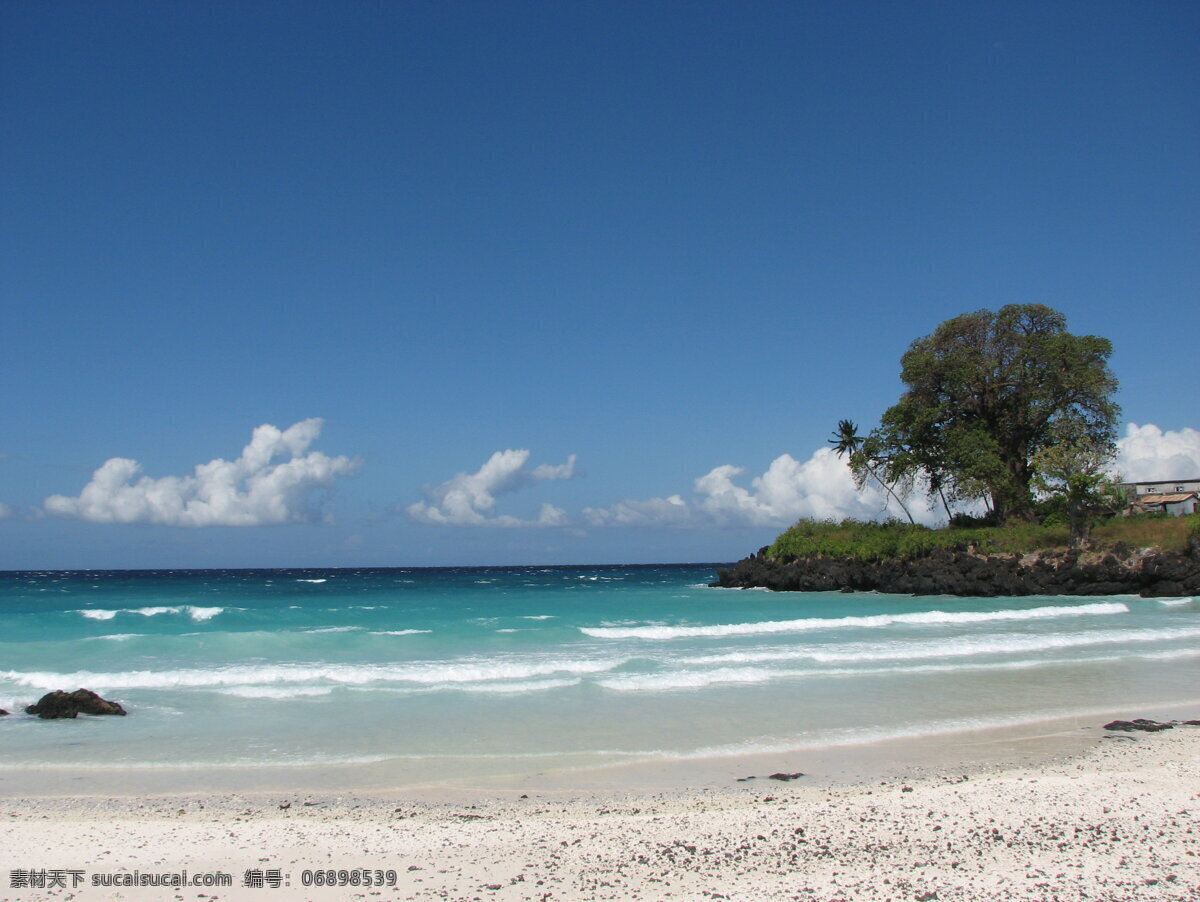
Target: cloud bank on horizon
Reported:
point(822, 488)
point(1148, 454)
point(253, 490)
point(819, 488)
point(276, 479)
point(467, 499)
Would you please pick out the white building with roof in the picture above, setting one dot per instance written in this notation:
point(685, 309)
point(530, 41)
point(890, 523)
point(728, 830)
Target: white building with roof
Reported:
point(1171, 496)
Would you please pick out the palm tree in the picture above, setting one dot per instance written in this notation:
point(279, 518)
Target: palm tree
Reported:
point(846, 440)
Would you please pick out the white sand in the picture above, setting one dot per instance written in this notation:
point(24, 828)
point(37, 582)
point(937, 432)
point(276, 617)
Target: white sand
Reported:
point(1120, 821)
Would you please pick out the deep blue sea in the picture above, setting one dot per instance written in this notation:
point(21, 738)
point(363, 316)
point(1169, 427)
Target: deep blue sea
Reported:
point(505, 670)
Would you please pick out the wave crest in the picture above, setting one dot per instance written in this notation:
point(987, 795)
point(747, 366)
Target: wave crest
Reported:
point(198, 614)
point(875, 620)
point(419, 674)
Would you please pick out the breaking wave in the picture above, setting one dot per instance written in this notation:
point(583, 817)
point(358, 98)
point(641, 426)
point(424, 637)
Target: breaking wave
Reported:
point(963, 646)
point(472, 671)
point(398, 632)
point(197, 614)
point(876, 620)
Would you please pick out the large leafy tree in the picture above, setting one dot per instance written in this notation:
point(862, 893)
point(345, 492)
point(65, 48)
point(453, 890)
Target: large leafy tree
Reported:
point(1073, 476)
point(986, 392)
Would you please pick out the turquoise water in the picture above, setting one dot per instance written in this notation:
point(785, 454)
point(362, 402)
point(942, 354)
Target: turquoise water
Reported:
point(505, 670)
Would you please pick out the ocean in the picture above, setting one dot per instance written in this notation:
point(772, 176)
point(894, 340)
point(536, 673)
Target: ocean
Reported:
point(438, 673)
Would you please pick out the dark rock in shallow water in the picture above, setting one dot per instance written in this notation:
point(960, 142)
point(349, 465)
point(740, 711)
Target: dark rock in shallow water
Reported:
point(1141, 725)
point(785, 777)
point(3, 713)
point(57, 704)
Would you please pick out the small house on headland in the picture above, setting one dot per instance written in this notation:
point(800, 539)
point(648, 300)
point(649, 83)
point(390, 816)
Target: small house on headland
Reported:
point(1172, 496)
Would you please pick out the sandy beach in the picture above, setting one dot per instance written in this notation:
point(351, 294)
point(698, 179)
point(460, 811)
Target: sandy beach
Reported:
point(1118, 820)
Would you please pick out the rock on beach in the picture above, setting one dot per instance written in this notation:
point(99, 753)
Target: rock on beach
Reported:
point(59, 704)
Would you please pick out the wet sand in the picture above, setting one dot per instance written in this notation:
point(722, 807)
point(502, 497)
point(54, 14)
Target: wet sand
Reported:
point(1067, 815)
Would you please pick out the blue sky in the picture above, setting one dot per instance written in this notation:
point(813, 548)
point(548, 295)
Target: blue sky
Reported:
point(667, 239)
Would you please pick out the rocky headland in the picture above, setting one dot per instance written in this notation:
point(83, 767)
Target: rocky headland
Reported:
point(1148, 572)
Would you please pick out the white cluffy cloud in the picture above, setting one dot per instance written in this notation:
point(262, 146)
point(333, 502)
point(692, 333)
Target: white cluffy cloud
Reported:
point(820, 488)
point(1147, 453)
point(272, 482)
point(469, 498)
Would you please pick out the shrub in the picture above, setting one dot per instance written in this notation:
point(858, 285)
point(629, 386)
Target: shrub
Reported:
point(893, 540)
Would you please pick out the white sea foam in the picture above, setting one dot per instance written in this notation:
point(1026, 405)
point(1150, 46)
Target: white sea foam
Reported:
point(116, 637)
point(687, 679)
point(98, 614)
point(514, 688)
point(538, 616)
point(501, 687)
point(966, 646)
point(276, 692)
point(1172, 654)
point(197, 614)
point(398, 632)
point(310, 580)
point(876, 620)
point(479, 670)
point(334, 629)
point(699, 679)
point(215, 764)
point(1009, 644)
point(335, 760)
point(1175, 602)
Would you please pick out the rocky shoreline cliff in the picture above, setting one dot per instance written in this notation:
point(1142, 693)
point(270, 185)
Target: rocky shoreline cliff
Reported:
point(1145, 572)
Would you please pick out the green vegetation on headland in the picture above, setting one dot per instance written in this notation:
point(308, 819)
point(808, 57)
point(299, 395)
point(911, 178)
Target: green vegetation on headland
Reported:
point(1150, 555)
point(893, 540)
point(1004, 409)
point(1009, 413)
